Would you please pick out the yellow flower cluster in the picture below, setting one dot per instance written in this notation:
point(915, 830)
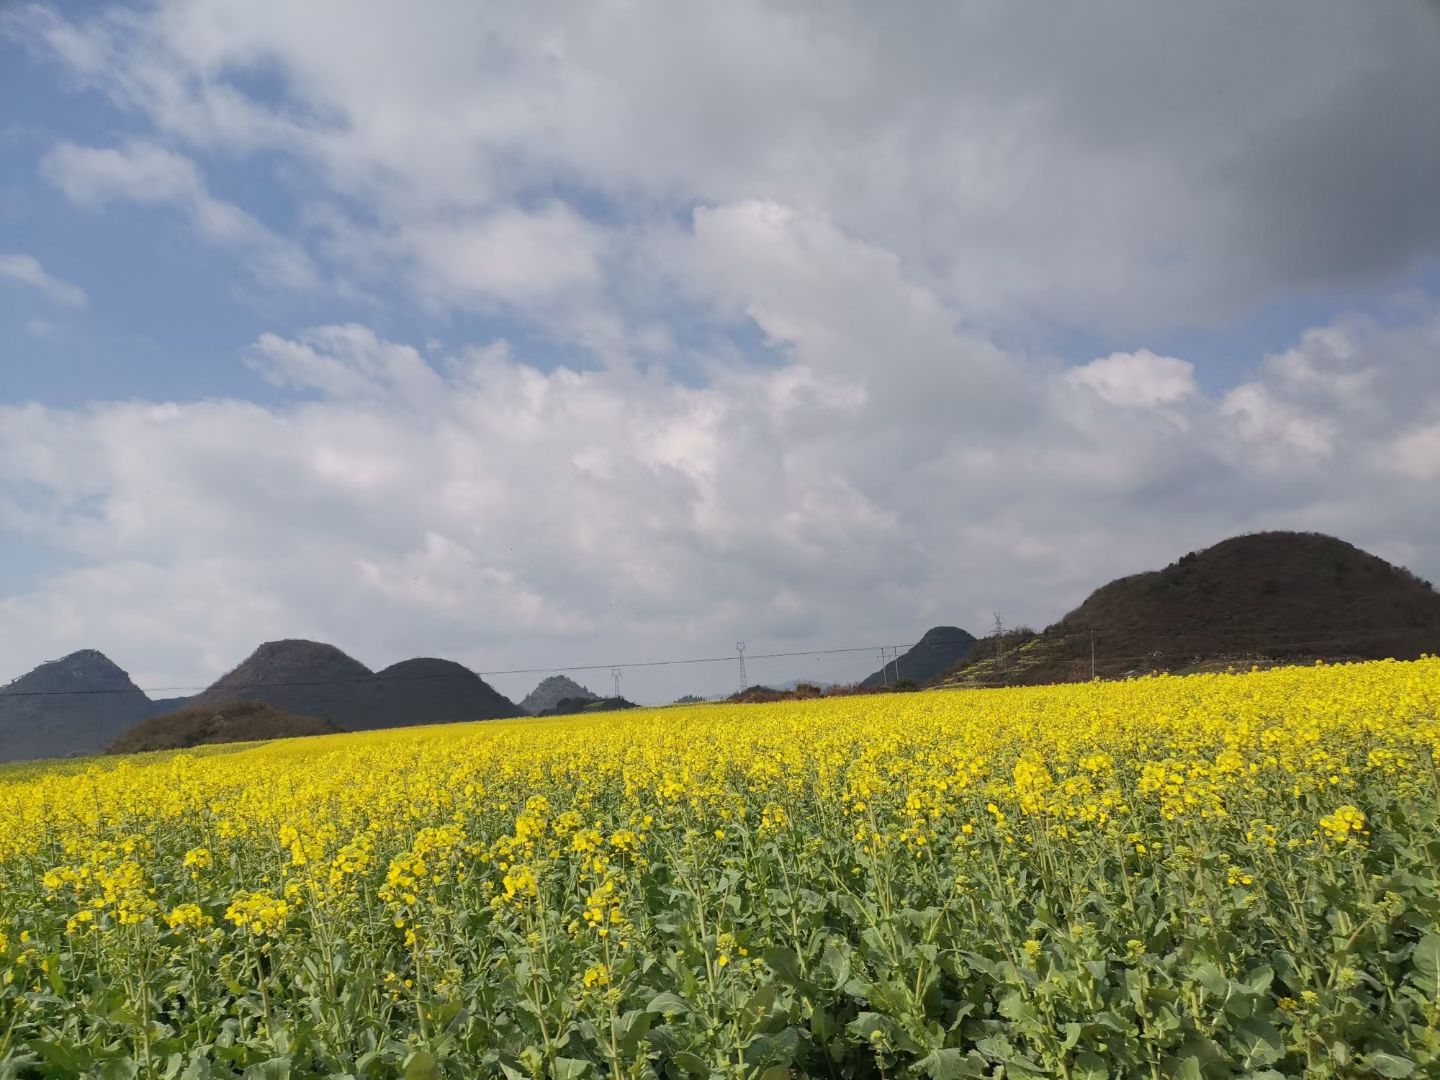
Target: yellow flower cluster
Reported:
point(518, 835)
point(259, 913)
point(1345, 824)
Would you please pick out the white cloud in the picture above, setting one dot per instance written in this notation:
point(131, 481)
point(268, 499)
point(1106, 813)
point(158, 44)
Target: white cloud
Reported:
point(26, 269)
point(1139, 378)
point(1006, 155)
point(848, 310)
point(481, 508)
point(1417, 453)
point(521, 258)
point(145, 173)
point(1274, 427)
point(346, 363)
point(138, 172)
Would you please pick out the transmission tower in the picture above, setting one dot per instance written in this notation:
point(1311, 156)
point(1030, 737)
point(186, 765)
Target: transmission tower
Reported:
point(615, 674)
point(740, 651)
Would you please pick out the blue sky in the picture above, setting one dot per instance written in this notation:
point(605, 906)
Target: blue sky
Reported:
point(703, 333)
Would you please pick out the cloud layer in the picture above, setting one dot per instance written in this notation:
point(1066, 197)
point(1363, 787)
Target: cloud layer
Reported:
point(481, 508)
point(758, 322)
point(1090, 166)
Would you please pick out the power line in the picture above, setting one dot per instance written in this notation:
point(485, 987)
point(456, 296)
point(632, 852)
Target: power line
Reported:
point(367, 679)
point(1080, 633)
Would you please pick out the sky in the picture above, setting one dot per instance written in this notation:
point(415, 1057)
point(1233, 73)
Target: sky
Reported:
point(538, 335)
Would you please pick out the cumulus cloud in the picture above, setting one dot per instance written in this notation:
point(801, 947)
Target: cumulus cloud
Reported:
point(346, 363)
point(518, 257)
point(480, 507)
point(1093, 166)
point(26, 269)
point(1139, 378)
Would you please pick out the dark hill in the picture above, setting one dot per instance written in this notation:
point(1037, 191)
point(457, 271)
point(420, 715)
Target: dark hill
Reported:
point(939, 650)
point(553, 690)
point(308, 678)
point(1266, 597)
point(198, 725)
point(74, 705)
point(430, 691)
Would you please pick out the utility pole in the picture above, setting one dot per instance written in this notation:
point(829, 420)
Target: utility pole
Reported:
point(615, 674)
point(740, 651)
point(1092, 654)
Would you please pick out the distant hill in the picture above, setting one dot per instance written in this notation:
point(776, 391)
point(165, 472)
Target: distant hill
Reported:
point(198, 725)
point(574, 706)
point(430, 691)
point(553, 690)
point(763, 695)
point(309, 678)
point(74, 705)
point(1265, 597)
point(937, 651)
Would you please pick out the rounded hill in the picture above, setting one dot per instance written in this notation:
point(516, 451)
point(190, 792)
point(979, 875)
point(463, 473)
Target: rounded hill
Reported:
point(427, 690)
point(1269, 596)
point(1273, 590)
point(553, 690)
point(74, 705)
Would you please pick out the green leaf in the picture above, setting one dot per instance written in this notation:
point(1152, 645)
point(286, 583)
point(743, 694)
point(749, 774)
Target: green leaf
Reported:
point(759, 1003)
point(52, 969)
point(1260, 1041)
point(1426, 961)
point(276, 1068)
point(693, 1064)
point(570, 1068)
point(57, 1054)
point(1089, 1066)
point(1210, 977)
point(952, 1064)
point(421, 1065)
point(866, 1024)
point(630, 1028)
point(667, 1004)
point(122, 1068)
point(1259, 980)
point(1390, 1064)
point(786, 964)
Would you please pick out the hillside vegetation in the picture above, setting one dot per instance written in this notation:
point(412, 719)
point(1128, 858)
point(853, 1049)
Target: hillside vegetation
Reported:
point(1258, 599)
point(231, 722)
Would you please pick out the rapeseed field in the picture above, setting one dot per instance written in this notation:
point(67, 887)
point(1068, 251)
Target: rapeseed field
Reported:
point(1213, 876)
